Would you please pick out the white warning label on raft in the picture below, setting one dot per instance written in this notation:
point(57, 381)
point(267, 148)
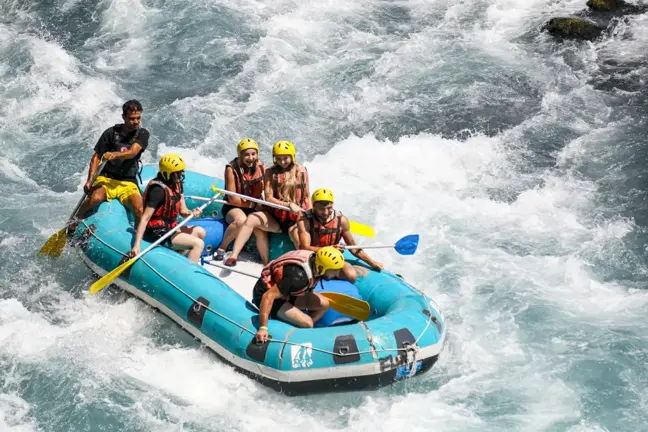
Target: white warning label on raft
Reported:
point(302, 355)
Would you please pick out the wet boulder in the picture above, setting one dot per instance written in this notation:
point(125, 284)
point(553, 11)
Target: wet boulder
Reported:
point(573, 28)
point(614, 6)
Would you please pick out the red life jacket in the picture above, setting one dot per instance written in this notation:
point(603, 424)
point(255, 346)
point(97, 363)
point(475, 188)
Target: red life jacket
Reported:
point(273, 271)
point(250, 184)
point(300, 194)
point(165, 216)
point(328, 234)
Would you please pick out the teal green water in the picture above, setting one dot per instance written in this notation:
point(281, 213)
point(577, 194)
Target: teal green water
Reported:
point(520, 161)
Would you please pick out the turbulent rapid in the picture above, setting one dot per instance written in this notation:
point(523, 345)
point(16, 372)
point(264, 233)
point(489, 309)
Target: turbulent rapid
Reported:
point(518, 158)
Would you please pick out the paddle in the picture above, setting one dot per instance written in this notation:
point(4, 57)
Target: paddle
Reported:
point(405, 246)
point(199, 198)
point(56, 243)
point(355, 227)
point(345, 304)
point(108, 278)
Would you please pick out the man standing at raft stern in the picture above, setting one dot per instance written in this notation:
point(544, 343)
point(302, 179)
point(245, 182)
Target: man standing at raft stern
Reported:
point(122, 146)
point(164, 202)
point(324, 226)
point(286, 286)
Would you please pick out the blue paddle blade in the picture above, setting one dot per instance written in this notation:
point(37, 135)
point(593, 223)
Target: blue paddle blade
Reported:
point(407, 245)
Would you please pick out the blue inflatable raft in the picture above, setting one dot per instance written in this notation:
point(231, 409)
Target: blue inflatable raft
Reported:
point(403, 336)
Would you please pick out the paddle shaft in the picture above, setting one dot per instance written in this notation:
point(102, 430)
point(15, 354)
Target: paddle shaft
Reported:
point(92, 180)
point(369, 247)
point(199, 198)
point(176, 228)
point(356, 228)
point(232, 269)
point(405, 246)
point(259, 201)
point(345, 246)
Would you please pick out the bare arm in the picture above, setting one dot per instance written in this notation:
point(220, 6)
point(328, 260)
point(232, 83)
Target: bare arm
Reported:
point(184, 210)
point(230, 185)
point(266, 304)
point(304, 235)
point(95, 161)
point(308, 203)
point(132, 152)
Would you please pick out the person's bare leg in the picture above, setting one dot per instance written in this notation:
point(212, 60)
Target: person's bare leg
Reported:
point(97, 196)
point(136, 204)
point(236, 219)
point(257, 220)
point(315, 303)
point(190, 237)
point(263, 245)
point(348, 273)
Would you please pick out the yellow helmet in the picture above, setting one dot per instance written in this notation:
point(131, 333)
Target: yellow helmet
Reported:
point(170, 163)
point(322, 195)
point(246, 144)
point(283, 148)
point(328, 258)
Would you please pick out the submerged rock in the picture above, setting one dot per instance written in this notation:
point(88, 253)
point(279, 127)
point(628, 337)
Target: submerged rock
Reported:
point(573, 28)
point(590, 23)
point(605, 5)
point(618, 6)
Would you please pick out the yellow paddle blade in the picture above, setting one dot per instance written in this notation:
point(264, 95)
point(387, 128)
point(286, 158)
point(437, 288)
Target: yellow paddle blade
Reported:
point(108, 278)
point(347, 305)
point(55, 244)
point(361, 229)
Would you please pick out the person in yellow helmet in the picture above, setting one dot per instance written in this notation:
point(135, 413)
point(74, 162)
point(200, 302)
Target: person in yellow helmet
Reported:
point(286, 184)
point(323, 226)
point(163, 202)
point(243, 175)
point(286, 286)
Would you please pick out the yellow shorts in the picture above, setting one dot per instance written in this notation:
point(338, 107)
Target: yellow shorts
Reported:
point(117, 188)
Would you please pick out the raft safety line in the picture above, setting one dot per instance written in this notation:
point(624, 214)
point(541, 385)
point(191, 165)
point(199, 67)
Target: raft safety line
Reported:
point(411, 349)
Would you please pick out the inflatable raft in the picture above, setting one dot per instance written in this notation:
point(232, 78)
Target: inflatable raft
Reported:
point(403, 336)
